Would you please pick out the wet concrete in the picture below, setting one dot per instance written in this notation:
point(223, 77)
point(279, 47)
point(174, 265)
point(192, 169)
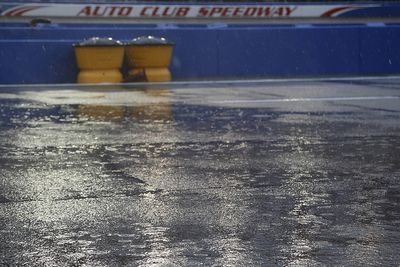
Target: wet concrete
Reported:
point(285, 173)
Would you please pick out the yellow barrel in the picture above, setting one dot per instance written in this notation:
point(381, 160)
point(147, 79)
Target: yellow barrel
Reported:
point(150, 56)
point(99, 60)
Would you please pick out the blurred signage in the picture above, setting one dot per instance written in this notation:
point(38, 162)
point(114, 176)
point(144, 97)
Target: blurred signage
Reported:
point(193, 11)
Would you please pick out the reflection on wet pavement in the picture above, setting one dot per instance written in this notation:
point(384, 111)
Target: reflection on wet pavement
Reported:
point(188, 176)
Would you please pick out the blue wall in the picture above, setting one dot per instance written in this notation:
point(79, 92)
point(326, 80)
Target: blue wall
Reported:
point(45, 54)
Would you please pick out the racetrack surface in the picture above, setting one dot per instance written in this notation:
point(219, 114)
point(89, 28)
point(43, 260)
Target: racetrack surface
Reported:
point(235, 173)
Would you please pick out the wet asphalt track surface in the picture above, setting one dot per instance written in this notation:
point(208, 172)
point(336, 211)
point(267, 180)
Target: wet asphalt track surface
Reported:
point(295, 173)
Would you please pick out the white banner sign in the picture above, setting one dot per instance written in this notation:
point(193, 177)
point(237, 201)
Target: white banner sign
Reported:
point(177, 11)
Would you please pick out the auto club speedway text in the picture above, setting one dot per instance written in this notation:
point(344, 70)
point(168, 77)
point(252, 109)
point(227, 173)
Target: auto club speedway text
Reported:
point(186, 11)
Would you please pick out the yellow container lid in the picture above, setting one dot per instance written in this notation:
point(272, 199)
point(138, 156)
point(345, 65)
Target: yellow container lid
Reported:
point(149, 41)
point(98, 41)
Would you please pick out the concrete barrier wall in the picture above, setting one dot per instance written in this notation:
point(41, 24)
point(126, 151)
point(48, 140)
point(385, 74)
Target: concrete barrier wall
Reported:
point(45, 54)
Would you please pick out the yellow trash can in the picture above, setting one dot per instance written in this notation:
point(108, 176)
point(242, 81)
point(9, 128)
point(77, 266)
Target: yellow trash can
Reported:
point(99, 60)
point(148, 58)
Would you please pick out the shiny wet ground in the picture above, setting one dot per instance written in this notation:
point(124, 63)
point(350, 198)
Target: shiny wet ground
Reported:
point(279, 173)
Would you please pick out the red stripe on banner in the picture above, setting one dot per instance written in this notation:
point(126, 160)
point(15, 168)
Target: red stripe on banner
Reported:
point(19, 11)
point(332, 12)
